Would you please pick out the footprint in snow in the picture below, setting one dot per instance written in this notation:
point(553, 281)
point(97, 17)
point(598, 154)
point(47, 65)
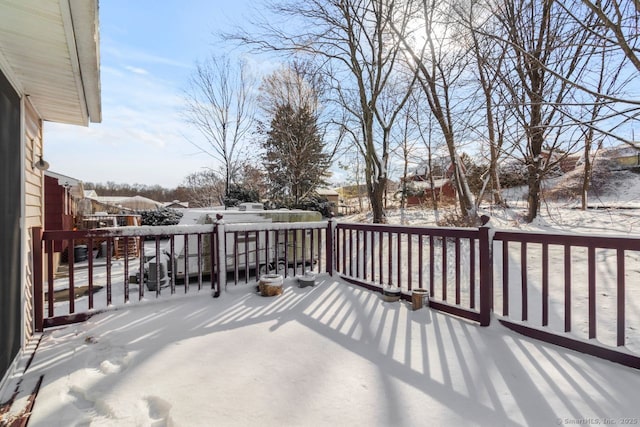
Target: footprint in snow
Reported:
point(158, 410)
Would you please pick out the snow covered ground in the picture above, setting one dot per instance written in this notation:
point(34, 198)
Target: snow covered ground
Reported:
point(333, 354)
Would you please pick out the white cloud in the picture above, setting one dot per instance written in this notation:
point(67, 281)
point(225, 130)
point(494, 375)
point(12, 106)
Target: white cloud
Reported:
point(137, 70)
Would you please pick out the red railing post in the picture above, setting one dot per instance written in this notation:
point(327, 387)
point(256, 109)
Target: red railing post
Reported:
point(486, 271)
point(331, 229)
point(38, 294)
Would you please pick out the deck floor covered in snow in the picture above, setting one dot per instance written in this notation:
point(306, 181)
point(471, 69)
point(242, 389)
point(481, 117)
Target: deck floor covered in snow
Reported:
point(333, 354)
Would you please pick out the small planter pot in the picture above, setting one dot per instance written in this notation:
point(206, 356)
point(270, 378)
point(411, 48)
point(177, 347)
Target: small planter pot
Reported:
point(308, 279)
point(391, 293)
point(270, 285)
point(419, 298)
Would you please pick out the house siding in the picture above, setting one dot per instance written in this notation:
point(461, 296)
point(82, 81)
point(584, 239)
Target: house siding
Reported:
point(34, 207)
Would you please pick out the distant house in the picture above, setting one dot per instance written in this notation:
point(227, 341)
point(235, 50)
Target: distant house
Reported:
point(623, 156)
point(49, 70)
point(424, 183)
point(332, 196)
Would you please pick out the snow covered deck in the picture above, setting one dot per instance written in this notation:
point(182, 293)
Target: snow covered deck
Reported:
point(333, 354)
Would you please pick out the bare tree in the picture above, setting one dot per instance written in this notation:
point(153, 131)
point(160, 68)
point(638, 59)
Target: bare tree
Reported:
point(204, 188)
point(606, 82)
point(487, 57)
point(546, 51)
point(440, 63)
point(615, 34)
point(219, 104)
point(354, 41)
point(619, 20)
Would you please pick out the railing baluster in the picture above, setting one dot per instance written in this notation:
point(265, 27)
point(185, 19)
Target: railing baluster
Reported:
point(236, 257)
point(312, 245)
point(174, 264)
point(567, 288)
point(157, 259)
point(472, 273)
point(365, 254)
point(432, 258)
point(266, 250)
point(505, 277)
point(457, 255)
point(523, 283)
point(336, 248)
point(200, 261)
point(141, 281)
point(295, 250)
point(186, 264)
point(409, 261)
point(320, 233)
point(389, 258)
point(126, 269)
point(109, 247)
point(380, 256)
point(90, 273)
point(213, 250)
point(246, 257)
point(71, 264)
point(351, 252)
point(620, 297)
point(278, 253)
point(420, 261)
point(286, 251)
point(304, 252)
point(399, 259)
point(444, 268)
point(592, 290)
point(358, 254)
point(257, 257)
point(50, 278)
point(545, 284)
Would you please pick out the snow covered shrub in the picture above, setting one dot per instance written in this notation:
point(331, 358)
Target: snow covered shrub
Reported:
point(238, 194)
point(317, 204)
point(163, 216)
point(454, 219)
point(512, 174)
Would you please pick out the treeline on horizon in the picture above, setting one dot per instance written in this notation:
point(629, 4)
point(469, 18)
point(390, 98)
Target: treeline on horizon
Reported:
point(154, 192)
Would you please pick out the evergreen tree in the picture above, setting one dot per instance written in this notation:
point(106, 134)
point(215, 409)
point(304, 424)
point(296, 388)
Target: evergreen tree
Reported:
point(296, 163)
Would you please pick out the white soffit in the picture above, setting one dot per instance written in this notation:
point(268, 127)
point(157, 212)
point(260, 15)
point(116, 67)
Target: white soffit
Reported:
point(49, 49)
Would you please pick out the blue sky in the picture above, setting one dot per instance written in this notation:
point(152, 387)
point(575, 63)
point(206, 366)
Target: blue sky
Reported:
point(148, 50)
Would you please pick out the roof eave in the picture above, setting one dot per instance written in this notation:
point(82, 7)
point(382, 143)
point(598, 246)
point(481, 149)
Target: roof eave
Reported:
point(86, 35)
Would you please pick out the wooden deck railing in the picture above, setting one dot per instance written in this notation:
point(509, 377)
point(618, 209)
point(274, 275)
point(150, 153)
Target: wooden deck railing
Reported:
point(446, 261)
point(580, 292)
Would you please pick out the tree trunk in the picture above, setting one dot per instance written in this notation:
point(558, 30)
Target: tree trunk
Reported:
point(535, 167)
point(495, 177)
point(586, 179)
point(533, 197)
point(376, 192)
